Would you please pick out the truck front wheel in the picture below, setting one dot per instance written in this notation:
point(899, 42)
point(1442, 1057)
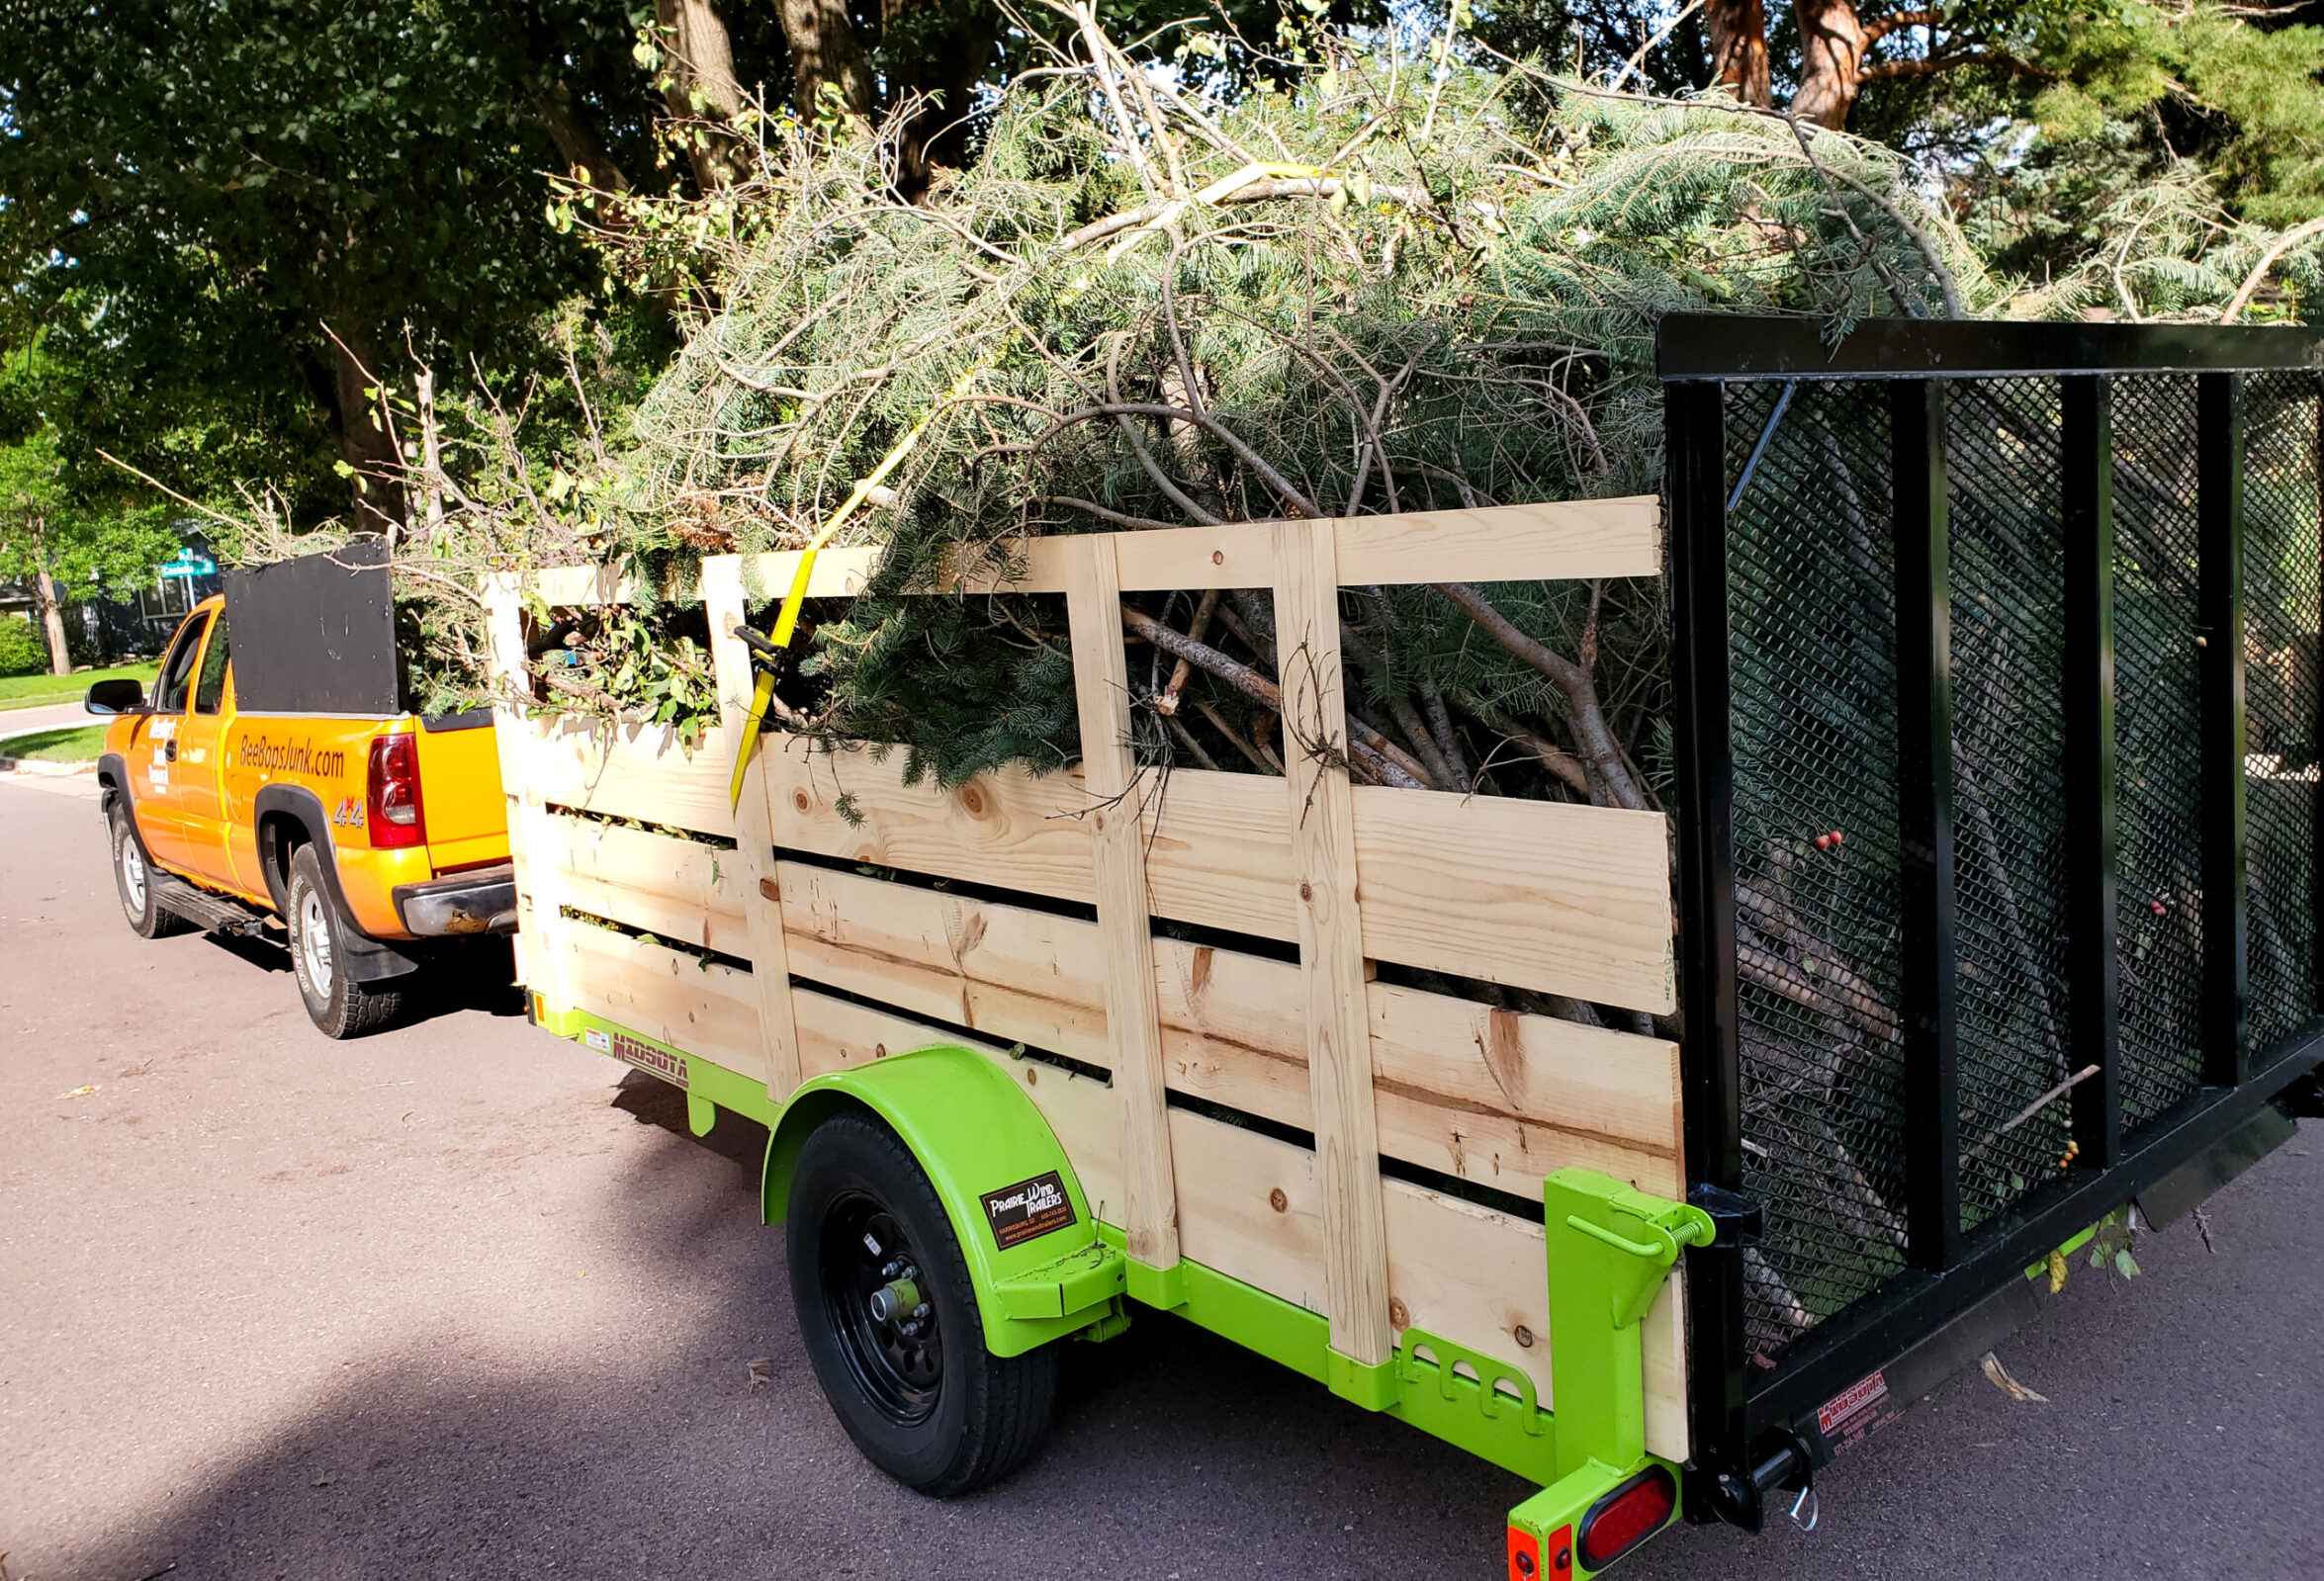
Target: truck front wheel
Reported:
point(889, 1319)
point(338, 1004)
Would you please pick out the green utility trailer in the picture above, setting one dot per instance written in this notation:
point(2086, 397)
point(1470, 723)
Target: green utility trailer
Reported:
point(1986, 908)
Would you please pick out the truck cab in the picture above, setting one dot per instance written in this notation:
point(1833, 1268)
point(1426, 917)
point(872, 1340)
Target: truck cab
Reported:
point(367, 835)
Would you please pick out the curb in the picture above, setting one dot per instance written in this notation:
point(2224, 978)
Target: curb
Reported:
point(34, 765)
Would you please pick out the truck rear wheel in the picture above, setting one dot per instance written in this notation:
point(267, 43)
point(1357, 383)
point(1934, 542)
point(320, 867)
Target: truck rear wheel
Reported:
point(133, 880)
point(888, 1316)
point(338, 1006)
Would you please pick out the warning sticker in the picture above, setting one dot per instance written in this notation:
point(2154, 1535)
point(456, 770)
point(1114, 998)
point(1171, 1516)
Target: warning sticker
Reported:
point(1028, 1210)
point(596, 1040)
point(1850, 1415)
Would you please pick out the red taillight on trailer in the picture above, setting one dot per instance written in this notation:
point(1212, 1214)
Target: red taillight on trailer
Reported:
point(393, 794)
point(1627, 1517)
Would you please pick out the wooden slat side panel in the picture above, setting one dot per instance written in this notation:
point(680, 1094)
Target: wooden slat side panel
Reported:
point(1567, 898)
point(678, 889)
point(1491, 1096)
point(693, 1006)
point(1571, 899)
point(638, 771)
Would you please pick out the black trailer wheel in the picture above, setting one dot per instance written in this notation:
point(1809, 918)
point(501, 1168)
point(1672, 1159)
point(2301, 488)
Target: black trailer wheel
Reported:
point(133, 880)
point(338, 1006)
point(889, 1319)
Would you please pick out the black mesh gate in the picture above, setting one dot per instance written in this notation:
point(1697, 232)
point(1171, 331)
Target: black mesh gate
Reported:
point(1999, 709)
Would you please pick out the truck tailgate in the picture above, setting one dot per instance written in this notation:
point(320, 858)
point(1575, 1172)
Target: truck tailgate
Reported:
point(460, 787)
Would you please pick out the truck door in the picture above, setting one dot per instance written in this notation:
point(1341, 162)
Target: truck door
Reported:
point(154, 780)
point(198, 774)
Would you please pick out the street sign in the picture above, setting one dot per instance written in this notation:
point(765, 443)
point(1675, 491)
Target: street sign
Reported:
point(189, 564)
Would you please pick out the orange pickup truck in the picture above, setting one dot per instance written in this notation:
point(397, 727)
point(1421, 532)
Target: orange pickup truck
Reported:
point(273, 777)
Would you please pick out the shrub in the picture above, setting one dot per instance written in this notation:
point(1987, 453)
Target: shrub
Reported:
point(23, 650)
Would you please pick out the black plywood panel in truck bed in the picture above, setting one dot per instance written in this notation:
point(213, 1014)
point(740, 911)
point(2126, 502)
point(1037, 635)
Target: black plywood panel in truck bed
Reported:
point(316, 634)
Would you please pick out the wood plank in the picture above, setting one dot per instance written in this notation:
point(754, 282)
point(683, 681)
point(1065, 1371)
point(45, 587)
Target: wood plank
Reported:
point(638, 771)
point(754, 853)
point(678, 889)
point(1126, 940)
point(534, 853)
point(1561, 541)
point(1331, 941)
point(838, 574)
point(1488, 1096)
point(1546, 895)
point(1561, 898)
point(694, 1006)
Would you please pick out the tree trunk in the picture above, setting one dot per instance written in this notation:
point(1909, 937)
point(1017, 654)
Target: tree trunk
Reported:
point(699, 83)
point(1738, 48)
point(1831, 61)
point(53, 622)
point(364, 444)
point(935, 65)
point(826, 53)
point(584, 157)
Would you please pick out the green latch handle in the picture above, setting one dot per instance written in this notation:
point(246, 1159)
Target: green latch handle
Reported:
point(1598, 1232)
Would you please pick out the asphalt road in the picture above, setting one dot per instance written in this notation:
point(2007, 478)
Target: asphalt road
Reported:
point(462, 1300)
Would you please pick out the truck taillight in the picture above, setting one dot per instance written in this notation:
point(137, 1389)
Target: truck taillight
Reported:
point(393, 794)
point(1627, 1517)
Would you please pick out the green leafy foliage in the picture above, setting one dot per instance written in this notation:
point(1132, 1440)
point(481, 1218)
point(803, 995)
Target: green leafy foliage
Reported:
point(23, 650)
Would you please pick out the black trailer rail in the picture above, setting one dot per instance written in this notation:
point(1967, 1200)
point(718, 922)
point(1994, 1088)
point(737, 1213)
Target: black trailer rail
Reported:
point(1997, 697)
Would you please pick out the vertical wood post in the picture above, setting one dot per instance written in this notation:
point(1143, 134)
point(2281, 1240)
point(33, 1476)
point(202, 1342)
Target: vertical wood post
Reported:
point(535, 846)
point(1134, 1015)
point(1331, 959)
point(771, 966)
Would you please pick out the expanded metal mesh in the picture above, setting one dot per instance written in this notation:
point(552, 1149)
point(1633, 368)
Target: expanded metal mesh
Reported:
point(2011, 920)
point(2159, 940)
point(1813, 721)
point(2284, 543)
point(1811, 606)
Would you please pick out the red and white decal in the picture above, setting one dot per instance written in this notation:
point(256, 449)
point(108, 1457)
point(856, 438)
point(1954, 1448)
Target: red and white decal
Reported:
point(1855, 1411)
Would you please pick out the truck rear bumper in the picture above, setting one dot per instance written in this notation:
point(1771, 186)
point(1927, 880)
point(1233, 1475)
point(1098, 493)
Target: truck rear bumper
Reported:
point(479, 901)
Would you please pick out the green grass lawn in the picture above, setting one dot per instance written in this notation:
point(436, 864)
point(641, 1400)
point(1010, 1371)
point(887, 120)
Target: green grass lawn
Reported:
point(35, 691)
point(69, 743)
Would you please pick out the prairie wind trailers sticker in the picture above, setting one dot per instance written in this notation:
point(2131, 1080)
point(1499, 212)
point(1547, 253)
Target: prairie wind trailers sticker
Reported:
point(1028, 1210)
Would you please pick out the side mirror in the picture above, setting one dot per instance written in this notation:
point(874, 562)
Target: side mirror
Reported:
point(118, 696)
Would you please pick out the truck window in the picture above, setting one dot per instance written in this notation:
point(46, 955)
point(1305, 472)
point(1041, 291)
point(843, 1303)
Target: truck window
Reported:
point(211, 688)
point(169, 696)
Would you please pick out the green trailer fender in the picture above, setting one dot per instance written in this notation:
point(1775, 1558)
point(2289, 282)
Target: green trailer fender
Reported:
point(1017, 1207)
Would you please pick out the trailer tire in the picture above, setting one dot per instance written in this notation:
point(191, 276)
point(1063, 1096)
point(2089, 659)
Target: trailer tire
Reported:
point(922, 1397)
point(338, 1006)
point(132, 881)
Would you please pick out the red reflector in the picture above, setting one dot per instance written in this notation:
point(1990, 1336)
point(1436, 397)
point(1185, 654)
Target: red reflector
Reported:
point(1627, 1517)
point(391, 794)
point(1525, 1555)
